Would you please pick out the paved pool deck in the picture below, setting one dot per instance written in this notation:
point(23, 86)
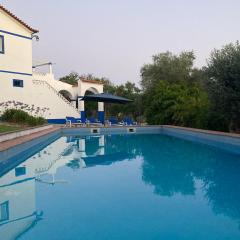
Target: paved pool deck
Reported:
point(19, 140)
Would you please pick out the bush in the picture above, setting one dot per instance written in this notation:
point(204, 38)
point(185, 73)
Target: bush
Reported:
point(177, 104)
point(8, 115)
point(31, 121)
point(21, 117)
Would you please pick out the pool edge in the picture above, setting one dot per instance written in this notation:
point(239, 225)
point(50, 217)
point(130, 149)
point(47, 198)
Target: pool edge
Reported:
point(222, 140)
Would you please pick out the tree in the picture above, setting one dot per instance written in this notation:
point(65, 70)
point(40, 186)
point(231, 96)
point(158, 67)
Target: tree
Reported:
point(167, 67)
point(71, 78)
point(223, 71)
point(173, 91)
point(128, 90)
point(108, 86)
point(177, 104)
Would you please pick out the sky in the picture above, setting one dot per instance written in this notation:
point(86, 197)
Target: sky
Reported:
point(115, 38)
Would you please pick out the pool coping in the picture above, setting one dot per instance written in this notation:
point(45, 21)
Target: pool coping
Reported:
point(22, 132)
point(197, 130)
point(20, 137)
point(34, 133)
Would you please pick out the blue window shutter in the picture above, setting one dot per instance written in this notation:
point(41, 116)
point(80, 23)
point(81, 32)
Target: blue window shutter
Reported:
point(17, 83)
point(20, 171)
point(4, 211)
point(2, 48)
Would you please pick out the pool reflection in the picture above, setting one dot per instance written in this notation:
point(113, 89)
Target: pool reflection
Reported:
point(186, 163)
point(172, 167)
point(18, 211)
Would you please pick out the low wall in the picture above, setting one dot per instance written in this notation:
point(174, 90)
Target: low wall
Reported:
point(112, 130)
point(21, 133)
point(226, 141)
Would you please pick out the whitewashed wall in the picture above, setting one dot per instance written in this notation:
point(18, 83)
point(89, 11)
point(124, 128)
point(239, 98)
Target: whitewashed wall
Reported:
point(18, 50)
point(40, 94)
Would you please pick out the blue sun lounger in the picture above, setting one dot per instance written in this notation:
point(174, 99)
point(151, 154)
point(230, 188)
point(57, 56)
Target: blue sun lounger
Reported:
point(71, 121)
point(113, 121)
point(129, 122)
point(93, 121)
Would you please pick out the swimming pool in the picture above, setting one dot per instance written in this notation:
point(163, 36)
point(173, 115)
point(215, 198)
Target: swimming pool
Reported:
point(118, 186)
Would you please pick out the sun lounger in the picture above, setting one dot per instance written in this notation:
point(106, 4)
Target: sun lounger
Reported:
point(71, 121)
point(93, 121)
point(113, 121)
point(129, 122)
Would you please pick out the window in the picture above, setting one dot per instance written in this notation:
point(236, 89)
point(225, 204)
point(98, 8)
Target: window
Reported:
point(4, 211)
point(1, 44)
point(17, 83)
point(19, 171)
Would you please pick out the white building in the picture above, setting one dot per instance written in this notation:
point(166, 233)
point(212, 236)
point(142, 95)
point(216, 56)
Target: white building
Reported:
point(39, 94)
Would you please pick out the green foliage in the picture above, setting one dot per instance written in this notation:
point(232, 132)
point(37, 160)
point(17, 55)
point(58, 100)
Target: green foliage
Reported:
point(173, 91)
point(167, 67)
point(91, 108)
point(223, 86)
point(177, 104)
point(71, 78)
point(34, 121)
point(7, 128)
point(130, 91)
point(108, 86)
point(94, 78)
point(20, 117)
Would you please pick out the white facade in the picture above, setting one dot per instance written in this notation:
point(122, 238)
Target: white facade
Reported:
point(17, 58)
point(37, 93)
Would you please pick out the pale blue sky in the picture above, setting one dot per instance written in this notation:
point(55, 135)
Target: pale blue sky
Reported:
point(115, 38)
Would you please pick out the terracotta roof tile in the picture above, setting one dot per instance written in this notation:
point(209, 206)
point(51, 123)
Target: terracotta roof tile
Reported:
point(18, 19)
point(91, 81)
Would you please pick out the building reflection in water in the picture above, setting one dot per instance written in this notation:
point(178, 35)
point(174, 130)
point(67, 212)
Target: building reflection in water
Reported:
point(18, 211)
point(174, 167)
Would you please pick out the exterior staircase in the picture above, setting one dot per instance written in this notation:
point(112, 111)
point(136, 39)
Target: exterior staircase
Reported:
point(48, 97)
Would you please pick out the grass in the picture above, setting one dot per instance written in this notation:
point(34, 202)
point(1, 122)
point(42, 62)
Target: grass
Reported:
point(7, 128)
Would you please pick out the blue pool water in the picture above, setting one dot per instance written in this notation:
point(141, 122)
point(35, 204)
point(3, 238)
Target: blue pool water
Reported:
point(121, 187)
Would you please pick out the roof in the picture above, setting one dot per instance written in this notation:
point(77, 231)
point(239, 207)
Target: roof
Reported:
point(18, 19)
point(91, 81)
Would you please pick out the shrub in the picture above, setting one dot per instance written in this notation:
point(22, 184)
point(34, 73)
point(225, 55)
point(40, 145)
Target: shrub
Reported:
point(31, 121)
point(41, 121)
point(21, 117)
point(8, 115)
point(177, 104)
